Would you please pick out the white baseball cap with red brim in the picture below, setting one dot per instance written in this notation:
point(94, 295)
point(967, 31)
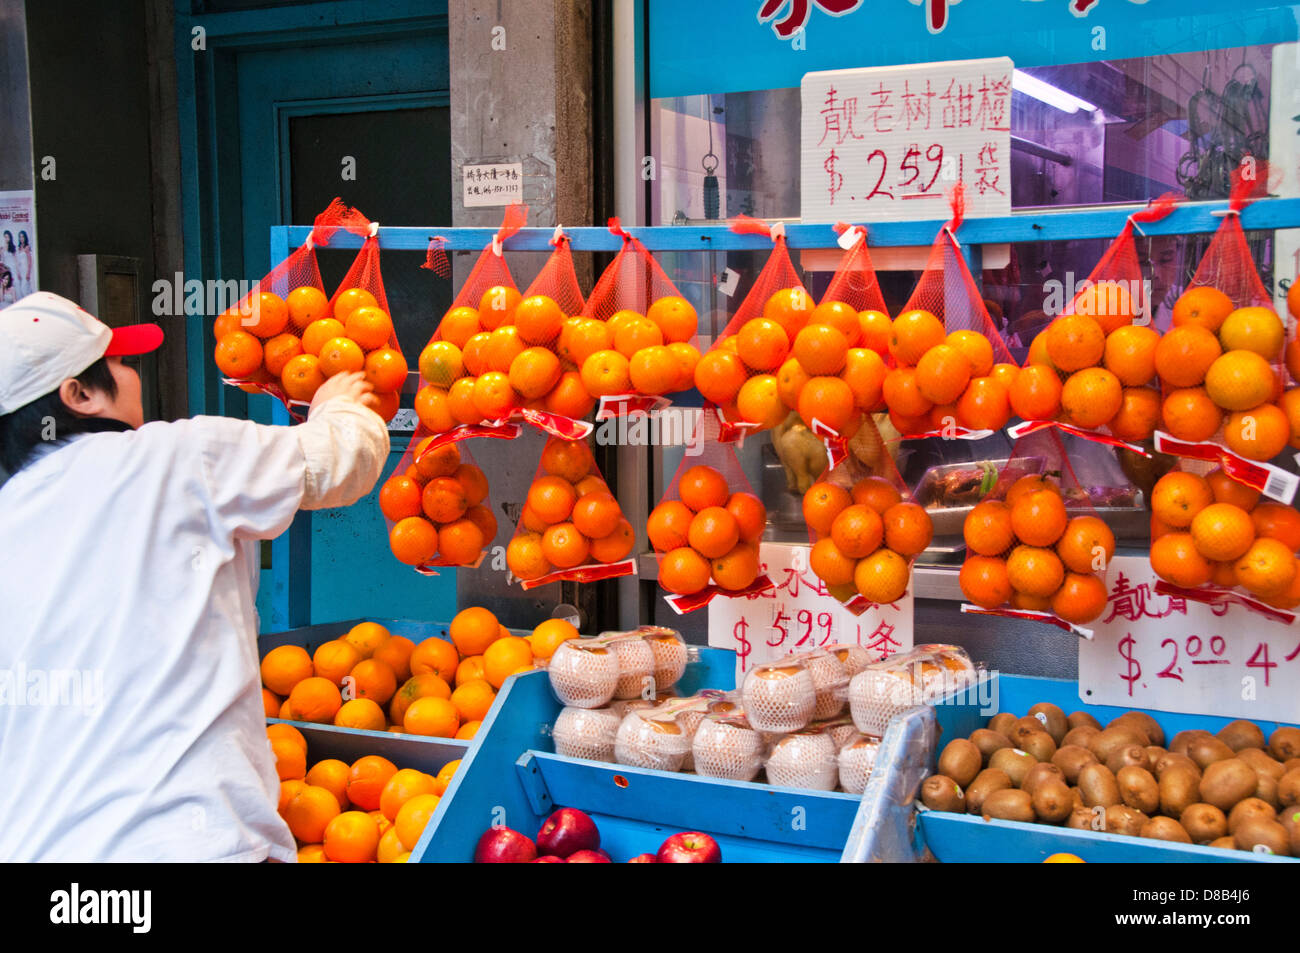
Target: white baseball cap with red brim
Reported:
point(46, 339)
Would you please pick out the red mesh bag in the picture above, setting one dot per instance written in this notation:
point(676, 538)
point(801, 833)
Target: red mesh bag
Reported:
point(272, 318)
point(570, 525)
point(952, 369)
point(707, 527)
point(643, 343)
point(1037, 542)
point(856, 285)
point(865, 528)
point(436, 507)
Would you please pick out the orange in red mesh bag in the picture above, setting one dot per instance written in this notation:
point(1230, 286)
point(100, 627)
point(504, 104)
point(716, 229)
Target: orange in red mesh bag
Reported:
point(570, 527)
point(866, 531)
point(1089, 370)
point(1036, 545)
point(260, 339)
point(952, 370)
point(707, 528)
point(638, 341)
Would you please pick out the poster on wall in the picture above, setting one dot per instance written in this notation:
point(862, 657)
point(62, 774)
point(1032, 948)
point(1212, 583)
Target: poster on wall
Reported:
point(17, 245)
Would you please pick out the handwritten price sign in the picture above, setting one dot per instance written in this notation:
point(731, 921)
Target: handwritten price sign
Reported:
point(798, 615)
point(1169, 654)
point(886, 143)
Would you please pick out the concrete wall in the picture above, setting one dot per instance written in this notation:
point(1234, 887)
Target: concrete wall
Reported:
point(15, 112)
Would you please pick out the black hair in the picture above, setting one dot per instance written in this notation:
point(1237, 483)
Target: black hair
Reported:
point(48, 419)
point(9, 241)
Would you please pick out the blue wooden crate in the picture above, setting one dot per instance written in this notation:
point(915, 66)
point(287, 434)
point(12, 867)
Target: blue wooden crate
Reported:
point(515, 779)
point(961, 838)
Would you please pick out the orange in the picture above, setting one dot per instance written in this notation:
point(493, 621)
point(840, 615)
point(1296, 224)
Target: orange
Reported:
point(412, 817)
point(1174, 557)
point(423, 685)
point(1080, 599)
point(238, 354)
point(668, 525)
point(1278, 521)
point(877, 493)
point(605, 373)
point(285, 711)
point(386, 370)
point(334, 659)
point(876, 329)
point(1075, 341)
point(361, 713)
point(857, 531)
point(493, 396)
point(1228, 490)
point(269, 316)
point(366, 637)
point(822, 503)
point(987, 528)
point(301, 377)
point(271, 703)
point(1257, 434)
point(387, 404)
point(737, 569)
point(497, 306)
point(431, 717)
point(1091, 397)
point(564, 547)
point(583, 339)
point(683, 571)
point(1026, 486)
point(615, 546)
point(552, 498)
point(902, 393)
point(1293, 350)
point(791, 308)
point(227, 322)
point(390, 845)
point(469, 668)
point(750, 515)
point(1240, 380)
point(544, 640)
point(1288, 598)
point(864, 372)
point(278, 731)
point(399, 498)
point(1185, 353)
point(435, 656)
point(759, 401)
point(1138, 415)
point(534, 371)
point(502, 347)
point(635, 335)
point(278, 351)
point(1087, 545)
point(350, 299)
point(882, 577)
point(830, 564)
point(908, 528)
point(290, 759)
point(461, 541)
point(506, 656)
point(1177, 497)
point(569, 397)
point(675, 317)
point(1159, 527)
point(596, 515)
point(984, 405)
point(1020, 600)
point(1223, 575)
point(1202, 305)
point(820, 348)
point(1108, 302)
point(942, 374)
point(1034, 571)
point(719, 376)
point(284, 667)
point(332, 775)
point(474, 353)
point(654, 370)
point(977, 349)
point(1189, 414)
point(685, 356)
point(763, 345)
point(1290, 405)
point(1267, 567)
point(701, 487)
point(569, 459)
point(984, 581)
point(369, 326)
point(1254, 329)
point(1222, 532)
point(1131, 354)
point(1005, 374)
point(524, 556)
point(433, 462)
point(1038, 350)
point(1036, 393)
point(312, 854)
point(473, 699)
point(840, 316)
point(443, 499)
point(291, 787)
point(460, 401)
point(538, 319)
point(829, 400)
point(473, 481)
point(530, 521)
point(1039, 518)
point(319, 332)
point(459, 325)
point(912, 334)
point(373, 679)
point(305, 305)
point(309, 812)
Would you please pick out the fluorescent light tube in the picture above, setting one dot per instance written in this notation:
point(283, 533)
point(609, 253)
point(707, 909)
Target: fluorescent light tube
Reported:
point(1047, 93)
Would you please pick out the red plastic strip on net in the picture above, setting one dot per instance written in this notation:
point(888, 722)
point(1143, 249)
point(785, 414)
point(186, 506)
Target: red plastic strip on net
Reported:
point(271, 390)
point(1046, 617)
point(426, 569)
point(435, 259)
point(590, 572)
point(566, 428)
point(1216, 596)
point(956, 433)
point(682, 604)
point(1272, 481)
point(837, 447)
point(1026, 427)
point(501, 430)
point(623, 405)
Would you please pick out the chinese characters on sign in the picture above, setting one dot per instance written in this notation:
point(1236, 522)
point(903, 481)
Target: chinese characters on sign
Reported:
point(492, 184)
point(1171, 654)
point(887, 143)
point(789, 17)
point(797, 616)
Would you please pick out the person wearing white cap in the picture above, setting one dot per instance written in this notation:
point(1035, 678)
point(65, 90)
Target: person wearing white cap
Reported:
point(132, 725)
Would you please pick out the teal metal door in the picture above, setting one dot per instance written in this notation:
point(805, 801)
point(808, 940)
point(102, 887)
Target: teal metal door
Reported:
point(281, 110)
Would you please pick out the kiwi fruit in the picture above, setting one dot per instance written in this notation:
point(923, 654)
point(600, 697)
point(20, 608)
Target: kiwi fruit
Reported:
point(1169, 759)
point(941, 793)
point(1225, 842)
point(1204, 822)
point(1138, 788)
point(1002, 722)
point(1259, 831)
point(1144, 723)
point(1009, 805)
point(1122, 819)
point(1098, 785)
point(1179, 789)
point(1125, 756)
point(1040, 772)
point(985, 783)
point(1084, 819)
point(988, 742)
point(1071, 759)
point(1080, 736)
point(1241, 734)
point(1266, 789)
point(1165, 828)
point(1288, 788)
point(1154, 753)
point(1207, 749)
point(1076, 796)
point(1226, 782)
point(961, 761)
point(1290, 764)
point(1261, 762)
point(1284, 744)
point(1038, 743)
point(1290, 820)
point(1180, 741)
point(1079, 719)
point(1053, 801)
point(1052, 718)
point(1014, 763)
point(1248, 809)
point(1114, 736)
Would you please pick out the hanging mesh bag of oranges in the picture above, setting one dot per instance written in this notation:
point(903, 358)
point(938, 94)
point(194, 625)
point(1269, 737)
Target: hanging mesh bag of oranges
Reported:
point(707, 527)
point(570, 528)
point(261, 336)
point(1089, 371)
point(638, 344)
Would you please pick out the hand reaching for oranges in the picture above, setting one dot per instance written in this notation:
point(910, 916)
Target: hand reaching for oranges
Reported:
point(350, 384)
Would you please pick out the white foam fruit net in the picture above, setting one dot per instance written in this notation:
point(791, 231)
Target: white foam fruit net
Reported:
point(636, 665)
point(585, 733)
point(649, 743)
point(854, 658)
point(723, 749)
point(669, 651)
point(779, 696)
point(856, 759)
point(804, 760)
point(830, 683)
point(583, 677)
point(892, 686)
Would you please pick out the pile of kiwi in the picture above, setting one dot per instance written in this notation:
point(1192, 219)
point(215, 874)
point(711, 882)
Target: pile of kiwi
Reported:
point(1234, 789)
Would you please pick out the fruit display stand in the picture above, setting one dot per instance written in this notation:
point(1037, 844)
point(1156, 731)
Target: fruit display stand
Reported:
point(514, 779)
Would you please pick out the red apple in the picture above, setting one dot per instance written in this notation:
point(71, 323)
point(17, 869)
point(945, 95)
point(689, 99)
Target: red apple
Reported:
point(568, 831)
point(589, 857)
point(550, 859)
point(644, 859)
point(691, 847)
point(501, 845)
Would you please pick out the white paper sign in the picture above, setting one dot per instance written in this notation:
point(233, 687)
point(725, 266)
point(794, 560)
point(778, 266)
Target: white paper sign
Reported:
point(1154, 651)
point(483, 185)
point(17, 245)
point(887, 143)
point(798, 616)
